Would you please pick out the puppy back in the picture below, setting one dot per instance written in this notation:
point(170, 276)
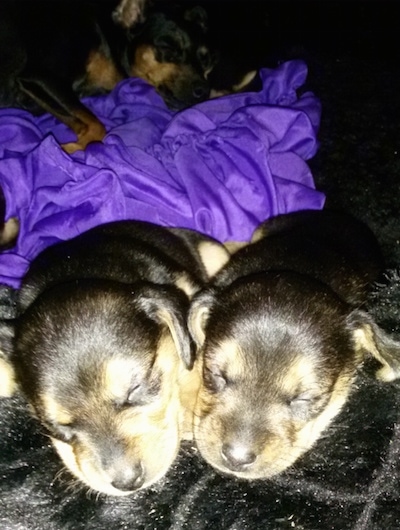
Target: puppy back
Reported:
point(127, 252)
point(332, 247)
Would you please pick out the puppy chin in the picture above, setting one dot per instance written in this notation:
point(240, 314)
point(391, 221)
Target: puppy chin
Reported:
point(85, 471)
point(98, 480)
point(275, 458)
point(280, 457)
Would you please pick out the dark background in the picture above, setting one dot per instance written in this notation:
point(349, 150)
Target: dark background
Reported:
point(353, 57)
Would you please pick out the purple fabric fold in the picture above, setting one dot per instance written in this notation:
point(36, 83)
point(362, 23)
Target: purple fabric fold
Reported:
point(220, 167)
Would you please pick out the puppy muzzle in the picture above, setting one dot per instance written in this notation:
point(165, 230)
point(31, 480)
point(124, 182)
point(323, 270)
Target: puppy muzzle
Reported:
point(127, 478)
point(237, 457)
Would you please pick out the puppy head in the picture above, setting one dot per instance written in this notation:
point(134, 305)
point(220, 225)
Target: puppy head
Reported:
point(99, 364)
point(279, 354)
point(171, 54)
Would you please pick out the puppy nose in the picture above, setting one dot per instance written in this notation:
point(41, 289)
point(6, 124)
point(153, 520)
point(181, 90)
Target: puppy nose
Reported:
point(129, 479)
point(237, 457)
point(200, 91)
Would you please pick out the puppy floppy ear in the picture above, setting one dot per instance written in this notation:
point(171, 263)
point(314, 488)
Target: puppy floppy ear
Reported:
point(168, 306)
point(8, 383)
point(371, 340)
point(199, 312)
point(129, 12)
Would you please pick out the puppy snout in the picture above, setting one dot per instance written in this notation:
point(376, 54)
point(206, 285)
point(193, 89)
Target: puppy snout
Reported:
point(237, 457)
point(129, 479)
point(200, 91)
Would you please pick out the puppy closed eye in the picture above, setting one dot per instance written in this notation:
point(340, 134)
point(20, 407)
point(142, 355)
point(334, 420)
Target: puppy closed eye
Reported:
point(303, 406)
point(168, 48)
point(140, 394)
point(63, 432)
point(137, 396)
point(214, 380)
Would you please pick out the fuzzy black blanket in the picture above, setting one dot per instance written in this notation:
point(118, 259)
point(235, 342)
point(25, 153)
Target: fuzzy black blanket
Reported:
point(350, 479)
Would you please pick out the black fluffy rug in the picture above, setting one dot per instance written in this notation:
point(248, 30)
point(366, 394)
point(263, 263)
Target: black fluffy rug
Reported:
point(351, 478)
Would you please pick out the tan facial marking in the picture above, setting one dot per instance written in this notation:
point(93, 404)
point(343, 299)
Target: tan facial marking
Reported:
point(117, 378)
point(230, 355)
point(54, 411)
point(148, 68)
point(101, 71)
point(313, 429)
point(301, 372)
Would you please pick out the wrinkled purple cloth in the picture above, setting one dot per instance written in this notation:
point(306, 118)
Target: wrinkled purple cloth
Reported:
point(220, 167)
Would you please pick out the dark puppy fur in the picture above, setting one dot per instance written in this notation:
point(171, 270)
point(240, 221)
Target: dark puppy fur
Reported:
point(241, 40)
point(171, 53)
point(282, 336)
point(101, 344)
point(54, 53)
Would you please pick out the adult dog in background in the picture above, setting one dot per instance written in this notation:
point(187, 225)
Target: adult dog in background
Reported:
point(54, 53)
point(282, 335)
point(100, 345)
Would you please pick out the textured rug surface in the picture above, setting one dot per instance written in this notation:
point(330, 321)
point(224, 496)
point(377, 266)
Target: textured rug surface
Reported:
point(351, 478)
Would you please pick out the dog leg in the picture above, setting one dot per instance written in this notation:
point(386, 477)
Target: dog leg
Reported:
point(87, 128)
point(67, 107)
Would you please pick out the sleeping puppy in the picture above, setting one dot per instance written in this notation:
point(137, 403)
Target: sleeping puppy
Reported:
point(101, 342)
point(282, 335)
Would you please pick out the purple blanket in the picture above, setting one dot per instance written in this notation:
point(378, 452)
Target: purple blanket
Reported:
point(220, 167)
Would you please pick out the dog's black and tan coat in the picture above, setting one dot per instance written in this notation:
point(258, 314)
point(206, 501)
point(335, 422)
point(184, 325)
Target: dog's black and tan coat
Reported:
point(52, 54)
point(282, 334)
point(101, 343)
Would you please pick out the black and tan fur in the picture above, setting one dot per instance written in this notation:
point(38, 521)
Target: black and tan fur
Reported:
point(52, 54)
point(100, 344)
point(282, 335)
